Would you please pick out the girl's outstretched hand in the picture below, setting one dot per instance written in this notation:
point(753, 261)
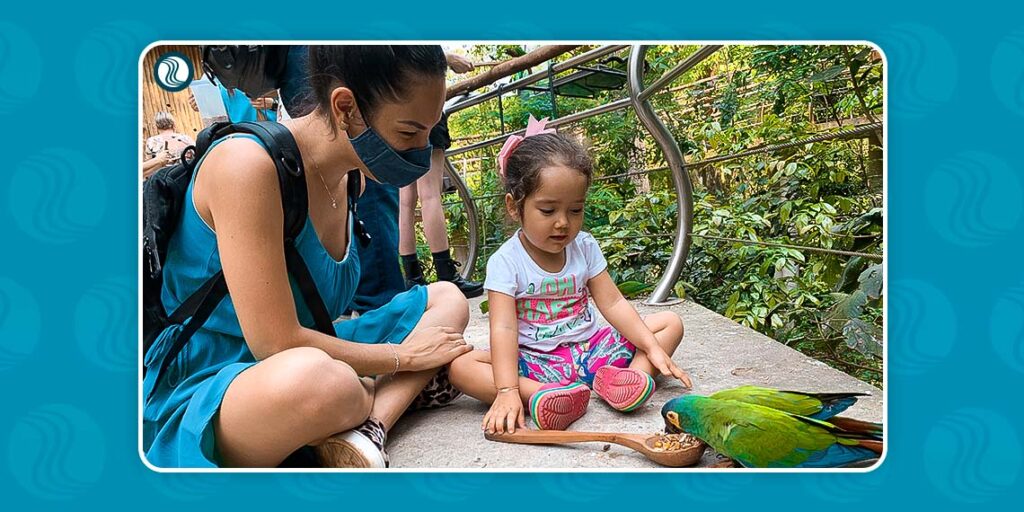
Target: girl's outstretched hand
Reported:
point(664, 364)
point(505, 414)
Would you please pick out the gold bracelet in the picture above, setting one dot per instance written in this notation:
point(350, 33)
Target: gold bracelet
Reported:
point(506, 390)
point(398, 362)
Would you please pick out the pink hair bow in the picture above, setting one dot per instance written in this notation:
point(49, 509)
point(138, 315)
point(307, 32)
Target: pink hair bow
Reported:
point(533, 127)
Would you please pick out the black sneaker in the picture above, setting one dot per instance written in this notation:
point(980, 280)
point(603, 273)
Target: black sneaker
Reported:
point(468, 288)
point(416, 280)
point(413, 271)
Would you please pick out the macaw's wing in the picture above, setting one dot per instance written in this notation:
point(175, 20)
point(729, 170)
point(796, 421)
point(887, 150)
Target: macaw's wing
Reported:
point(758, 436)
point(813, 405)
point(833, 403)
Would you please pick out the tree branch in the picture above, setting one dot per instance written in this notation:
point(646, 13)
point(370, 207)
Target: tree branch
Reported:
point(507, 68)
point(856, 85)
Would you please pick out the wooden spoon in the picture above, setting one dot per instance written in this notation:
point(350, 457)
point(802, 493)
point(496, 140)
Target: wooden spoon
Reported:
point(688, 455)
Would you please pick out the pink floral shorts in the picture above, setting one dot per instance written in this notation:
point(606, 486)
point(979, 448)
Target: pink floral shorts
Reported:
point(577, 361)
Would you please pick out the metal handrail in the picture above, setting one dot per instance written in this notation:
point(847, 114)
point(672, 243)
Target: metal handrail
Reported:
point(742, 241)
point(674, 156)
point(850, 132)
point(571, 118)
point(474, 222)
point(638, 98)
point(696, 58)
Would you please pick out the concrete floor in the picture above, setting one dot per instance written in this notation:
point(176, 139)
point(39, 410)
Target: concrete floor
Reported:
point(717, 352)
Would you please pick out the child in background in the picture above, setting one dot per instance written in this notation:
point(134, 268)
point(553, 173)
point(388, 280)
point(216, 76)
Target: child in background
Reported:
point(547, 349)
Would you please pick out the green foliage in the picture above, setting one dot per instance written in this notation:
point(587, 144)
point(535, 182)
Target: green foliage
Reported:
point(815, 195)
point(633, 289)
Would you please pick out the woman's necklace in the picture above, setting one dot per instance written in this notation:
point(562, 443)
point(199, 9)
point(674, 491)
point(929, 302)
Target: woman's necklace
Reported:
point(334, 202)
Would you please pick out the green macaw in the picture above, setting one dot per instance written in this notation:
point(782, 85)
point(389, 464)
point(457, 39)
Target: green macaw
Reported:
point(819, 406)
point(761, 437)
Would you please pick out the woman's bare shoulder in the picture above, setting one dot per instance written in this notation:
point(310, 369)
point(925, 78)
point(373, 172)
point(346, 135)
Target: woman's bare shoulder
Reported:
point(239, 164)
point(237, 177)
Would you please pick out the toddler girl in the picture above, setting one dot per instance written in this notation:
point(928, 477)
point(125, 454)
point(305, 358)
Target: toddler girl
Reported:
point(547, 349)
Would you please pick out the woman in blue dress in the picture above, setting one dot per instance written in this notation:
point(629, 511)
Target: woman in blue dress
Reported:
point(257, 382)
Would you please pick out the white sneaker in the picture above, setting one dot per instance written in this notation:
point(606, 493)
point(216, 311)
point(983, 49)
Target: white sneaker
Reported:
point(361, 447)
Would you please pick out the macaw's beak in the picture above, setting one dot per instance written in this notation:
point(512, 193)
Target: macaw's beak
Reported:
point(672, 423)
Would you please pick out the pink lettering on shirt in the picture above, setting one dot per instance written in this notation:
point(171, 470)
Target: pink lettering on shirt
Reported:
point(546, 310)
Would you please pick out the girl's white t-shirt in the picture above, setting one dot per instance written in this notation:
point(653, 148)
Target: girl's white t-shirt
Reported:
point(552, 308)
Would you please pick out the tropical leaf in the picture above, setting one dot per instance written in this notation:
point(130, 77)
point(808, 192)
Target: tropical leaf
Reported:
point(871, 281)
point(680, 290)
point(827, 74)
point(847, 306)
point(862, 337)
point(633, 289)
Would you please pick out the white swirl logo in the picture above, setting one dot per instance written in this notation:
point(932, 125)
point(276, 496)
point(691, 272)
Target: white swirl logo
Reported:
point(173, 71)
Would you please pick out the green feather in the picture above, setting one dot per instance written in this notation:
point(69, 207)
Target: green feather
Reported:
point(795, 402)
point(754, 435)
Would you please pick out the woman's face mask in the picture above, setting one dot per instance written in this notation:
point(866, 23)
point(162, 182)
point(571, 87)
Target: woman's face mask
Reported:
point(407, 125)
point(386, 164)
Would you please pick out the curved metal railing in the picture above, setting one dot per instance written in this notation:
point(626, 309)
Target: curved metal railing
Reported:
point(638, 98)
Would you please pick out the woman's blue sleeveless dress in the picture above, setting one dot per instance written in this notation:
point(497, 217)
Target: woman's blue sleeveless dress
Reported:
point(179, 409)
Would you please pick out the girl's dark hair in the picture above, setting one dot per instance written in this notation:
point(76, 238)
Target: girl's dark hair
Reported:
point(533, 154)
point(374, 73)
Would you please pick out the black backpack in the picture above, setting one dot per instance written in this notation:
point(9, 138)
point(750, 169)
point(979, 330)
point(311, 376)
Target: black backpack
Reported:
point(255, 69)
point(163, 196)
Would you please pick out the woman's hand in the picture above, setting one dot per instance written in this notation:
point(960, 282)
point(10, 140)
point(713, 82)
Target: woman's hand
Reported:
point(505, 414)
point(163, 158)
point(664, 364)
point(431, 347)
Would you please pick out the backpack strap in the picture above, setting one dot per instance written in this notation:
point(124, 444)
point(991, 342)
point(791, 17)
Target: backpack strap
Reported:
point(291, 177)
point(196, 310)
point(287, 159)
point(281, 146)
point(290, 173)
point(355, 186)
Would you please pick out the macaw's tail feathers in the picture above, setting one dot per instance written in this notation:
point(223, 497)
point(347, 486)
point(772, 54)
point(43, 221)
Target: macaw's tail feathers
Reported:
point(849, 448)
point(857, 426)
point(825, 397)
point(841, 433)
point(871, 444)
point(843, 454)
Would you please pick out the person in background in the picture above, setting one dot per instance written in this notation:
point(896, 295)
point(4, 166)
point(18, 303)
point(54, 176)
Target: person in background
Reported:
point(152, 164)
point(428, 191)
point(165, 147)
point(240, 108)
